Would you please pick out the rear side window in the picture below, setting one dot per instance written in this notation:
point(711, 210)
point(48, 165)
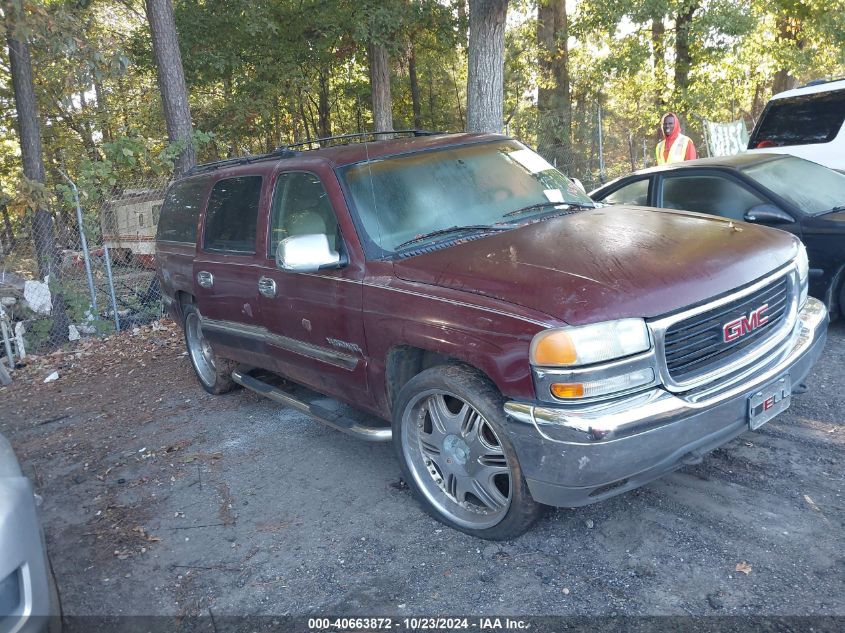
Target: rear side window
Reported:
point(232, 214)
point(180, 210)
point(802, 120)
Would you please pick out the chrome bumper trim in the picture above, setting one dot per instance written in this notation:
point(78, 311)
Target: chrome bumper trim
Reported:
point(589, 424)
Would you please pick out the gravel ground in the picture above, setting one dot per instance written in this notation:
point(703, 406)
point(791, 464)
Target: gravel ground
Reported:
point(160, 499)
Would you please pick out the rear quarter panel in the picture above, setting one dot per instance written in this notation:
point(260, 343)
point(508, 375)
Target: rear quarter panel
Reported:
point(174, 267)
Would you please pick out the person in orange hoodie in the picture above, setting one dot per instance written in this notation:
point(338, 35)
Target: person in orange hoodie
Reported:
point(675, 147)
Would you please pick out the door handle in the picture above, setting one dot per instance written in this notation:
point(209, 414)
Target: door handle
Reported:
point(205, 279)
point(267, 287)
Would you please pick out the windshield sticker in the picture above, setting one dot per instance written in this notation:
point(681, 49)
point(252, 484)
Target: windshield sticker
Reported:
point(553, 195)
point(531, 161)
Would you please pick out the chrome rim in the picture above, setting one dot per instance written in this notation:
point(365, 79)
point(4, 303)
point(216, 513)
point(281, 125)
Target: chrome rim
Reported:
point(200, 350)
point(456, 459)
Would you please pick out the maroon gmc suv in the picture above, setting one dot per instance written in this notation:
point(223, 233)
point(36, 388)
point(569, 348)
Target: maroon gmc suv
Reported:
point(458, 295)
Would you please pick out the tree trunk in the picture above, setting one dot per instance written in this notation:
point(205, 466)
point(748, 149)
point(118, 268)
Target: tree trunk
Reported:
point(324, 113)
point(756, 102)
point(88, 131)
point(658, 48)
point(789, 36)
point(683, 59)
point(415, 87)
point(7, 228)
point(485, 89)
point(380, 88)
point(29, 136)
point(226, 79)
point(102, 108)
point(454, 75)
point(171, 80)
point(462, 23)
point(554, 105)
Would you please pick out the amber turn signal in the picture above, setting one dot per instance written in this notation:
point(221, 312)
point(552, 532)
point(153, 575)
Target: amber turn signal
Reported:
point(567, 390)
point(555, 348)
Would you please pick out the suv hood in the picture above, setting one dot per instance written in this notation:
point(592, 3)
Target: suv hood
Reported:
point(607, 263)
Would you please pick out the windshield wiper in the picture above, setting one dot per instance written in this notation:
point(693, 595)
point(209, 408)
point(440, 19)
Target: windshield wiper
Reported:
point(452, 229)
point(543, 205)
point(841, 207)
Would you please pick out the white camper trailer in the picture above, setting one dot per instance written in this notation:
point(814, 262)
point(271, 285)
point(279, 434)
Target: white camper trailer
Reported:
point(129, 224)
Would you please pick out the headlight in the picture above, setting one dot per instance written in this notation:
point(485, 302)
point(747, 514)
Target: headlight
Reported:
point(588, 344)
point(803, 265)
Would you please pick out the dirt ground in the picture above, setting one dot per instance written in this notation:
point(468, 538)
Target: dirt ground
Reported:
point(161, 499)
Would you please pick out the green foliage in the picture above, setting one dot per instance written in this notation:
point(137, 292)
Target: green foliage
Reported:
point(262, 73)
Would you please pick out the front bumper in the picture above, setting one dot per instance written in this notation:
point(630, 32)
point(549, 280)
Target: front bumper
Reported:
point(23, 556)
point(573, 456)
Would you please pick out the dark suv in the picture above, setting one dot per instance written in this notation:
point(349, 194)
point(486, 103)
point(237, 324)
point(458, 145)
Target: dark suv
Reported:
point(519, 346)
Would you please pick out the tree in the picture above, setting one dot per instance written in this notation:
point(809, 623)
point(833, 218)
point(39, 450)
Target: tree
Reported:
point(380, 88)
point(29, 138)
point(554, 109)
point(171, 80)
point(683, 57)
point(485, 80)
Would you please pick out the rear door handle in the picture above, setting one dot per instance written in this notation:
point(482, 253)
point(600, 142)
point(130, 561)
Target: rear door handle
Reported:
point(267, 287)
point(205, 279)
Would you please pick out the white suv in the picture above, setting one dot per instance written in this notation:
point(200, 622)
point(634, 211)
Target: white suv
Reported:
point(805, 122)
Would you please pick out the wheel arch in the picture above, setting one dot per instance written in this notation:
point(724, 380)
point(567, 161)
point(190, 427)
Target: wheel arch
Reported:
point(182, 299)
point(406, 360)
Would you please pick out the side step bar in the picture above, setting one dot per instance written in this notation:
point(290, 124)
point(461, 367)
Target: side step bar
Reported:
point(333, 419)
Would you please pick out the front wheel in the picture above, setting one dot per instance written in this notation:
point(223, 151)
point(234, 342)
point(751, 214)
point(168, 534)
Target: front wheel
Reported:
point(450, 437)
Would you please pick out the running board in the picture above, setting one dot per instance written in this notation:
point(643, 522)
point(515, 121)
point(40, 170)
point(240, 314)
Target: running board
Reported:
point(335, 420)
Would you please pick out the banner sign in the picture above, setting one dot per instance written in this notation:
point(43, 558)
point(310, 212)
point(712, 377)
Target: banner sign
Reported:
point(726, 139)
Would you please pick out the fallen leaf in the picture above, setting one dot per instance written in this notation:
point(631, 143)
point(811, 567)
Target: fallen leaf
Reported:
point(812, 503)
point(146, 535)
point(743, 567)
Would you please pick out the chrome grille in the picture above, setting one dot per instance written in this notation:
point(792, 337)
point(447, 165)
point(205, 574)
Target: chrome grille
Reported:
point(696, 345)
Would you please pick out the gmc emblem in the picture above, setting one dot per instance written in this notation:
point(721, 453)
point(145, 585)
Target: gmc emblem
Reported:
point(733, 330)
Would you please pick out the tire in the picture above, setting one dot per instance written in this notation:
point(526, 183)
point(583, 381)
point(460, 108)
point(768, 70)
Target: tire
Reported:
point(841, 315)
point(213, 372)
point(450, 438)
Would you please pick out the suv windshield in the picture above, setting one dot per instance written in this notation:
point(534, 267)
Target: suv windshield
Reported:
point(415, 199)
point(812, 188)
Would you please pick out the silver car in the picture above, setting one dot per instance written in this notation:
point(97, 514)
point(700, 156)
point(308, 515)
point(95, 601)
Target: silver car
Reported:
point(28, 597)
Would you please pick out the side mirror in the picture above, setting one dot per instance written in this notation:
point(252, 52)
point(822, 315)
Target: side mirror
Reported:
point(768, 214)
point(306, 254)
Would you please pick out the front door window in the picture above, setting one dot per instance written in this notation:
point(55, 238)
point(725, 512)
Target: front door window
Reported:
point(301, 207)
point(713, 195)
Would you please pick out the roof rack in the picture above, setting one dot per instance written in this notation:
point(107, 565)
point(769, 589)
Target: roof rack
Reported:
point(287, 151)
point(345, 139)
point(279, 152)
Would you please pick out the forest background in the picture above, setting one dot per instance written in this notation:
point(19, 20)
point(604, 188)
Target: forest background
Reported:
point(108, 94)
point(262, 73)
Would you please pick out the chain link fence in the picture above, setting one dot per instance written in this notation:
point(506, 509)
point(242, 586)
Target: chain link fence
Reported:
point(84, 270)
